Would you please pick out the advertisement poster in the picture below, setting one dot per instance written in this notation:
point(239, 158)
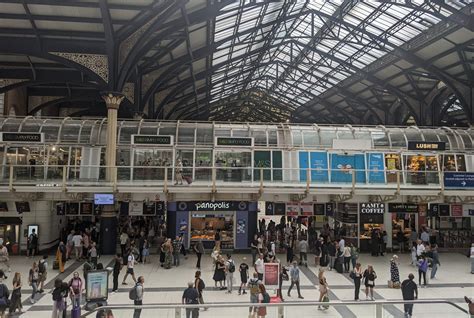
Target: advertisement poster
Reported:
point(292, 209)
point(307, 209)
point(319, 167)
point(241, 227)
point(86, 208)
point(271, 274)
point(376, 168)
point(149, 208)
point(456, 210)
point(135, 208)
point(96, 285)
point(342, 167)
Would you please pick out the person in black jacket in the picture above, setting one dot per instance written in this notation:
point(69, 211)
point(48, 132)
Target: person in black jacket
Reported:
point(116, 271)
point(332, 255)
point(409, 292)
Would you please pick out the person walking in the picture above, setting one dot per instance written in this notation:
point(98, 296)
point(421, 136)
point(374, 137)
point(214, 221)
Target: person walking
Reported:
point(33, 281)
point(254, 290)
point(61, 256)
point(420, 249)
point(284, 276)
point(32, 243)
point(145, 251)
point(199, 285)
point(124, 240)
point(295, 279)
point(394, 272)
point(168, 249)
point(191, 297)
point(59, 306)
point(15, 301)
point(140, 291)
point(130, 268)
point(422, 269)
point(323, 286)
point(347, 258)
point(77, 242)
point(199, 249)
point(229, 273)
point(369, 281)
point(116, 271)
point(43, 272)
point(332, 255)
point(354, 255)
point(4, 257)
point(303, 247)
point(357, 277)
point(263, 298)
point(254, 248)
point(409, 292)
point(434, 260)
point(178, 172)
point(219, 272)
point(4, 295)
point(244, 276)
point(259, 267)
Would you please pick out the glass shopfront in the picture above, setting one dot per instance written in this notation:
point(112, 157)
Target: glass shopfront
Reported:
point(393, 164)
point(204, 226)
point(233, 165)
point(421, 169)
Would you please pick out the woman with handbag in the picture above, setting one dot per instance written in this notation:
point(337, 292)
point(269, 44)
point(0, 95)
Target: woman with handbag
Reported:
point(15, 302)
point(356, 275)
point(323, 289)
point(370, 276)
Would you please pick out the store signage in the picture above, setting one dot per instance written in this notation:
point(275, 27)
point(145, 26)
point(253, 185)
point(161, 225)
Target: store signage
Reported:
point(212, 206)
point(86, 208)
point(456, 210)
point(460, 180)
point(292, 209)
point(234, 141)
point(329, 209)
point(425, 145)
point(307, 209)
point(135, 208)
point(152, 140)
point(403, 208)
point(433, 210)
point(444, 210)
point(21, 137)
point(372, 208)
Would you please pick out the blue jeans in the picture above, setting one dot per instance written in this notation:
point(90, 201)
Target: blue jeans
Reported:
point(434, 269)
point(137, 312)
point(176, 259)
point(34, 285)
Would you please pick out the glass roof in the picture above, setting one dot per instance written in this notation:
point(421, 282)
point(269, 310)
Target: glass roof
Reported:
point(297, 50)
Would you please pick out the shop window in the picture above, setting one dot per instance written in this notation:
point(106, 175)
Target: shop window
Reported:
point(461, 162)
point(415, 166)
point(448, 162)
point(393, 164)
point(205, 225)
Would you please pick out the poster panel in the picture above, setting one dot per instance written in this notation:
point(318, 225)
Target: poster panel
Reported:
point(319, 167)
point(271, 274)
point(96, 285)
point(375, 165)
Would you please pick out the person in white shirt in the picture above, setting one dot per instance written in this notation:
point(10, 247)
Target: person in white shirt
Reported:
point(259, 267)
point(123, 242)
point(425, 236)
point(303, 246)
point(77, 241)
point(472, 258)
point(229, 273)
point(420, 248)
point(130, 265)
point(4, 257)
point(342, 244)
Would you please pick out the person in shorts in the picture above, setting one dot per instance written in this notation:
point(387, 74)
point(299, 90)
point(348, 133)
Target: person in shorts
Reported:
point(244, 276)
point(130, 266)
point(253, 285)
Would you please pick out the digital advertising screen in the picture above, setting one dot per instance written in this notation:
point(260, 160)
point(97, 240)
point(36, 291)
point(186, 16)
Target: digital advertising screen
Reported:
point(96, 285)
point(103, 198)
point(271, 274)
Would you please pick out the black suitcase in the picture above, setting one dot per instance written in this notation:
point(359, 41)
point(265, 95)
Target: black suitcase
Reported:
point(323, 261)
point(55, 265)
point(338, 267)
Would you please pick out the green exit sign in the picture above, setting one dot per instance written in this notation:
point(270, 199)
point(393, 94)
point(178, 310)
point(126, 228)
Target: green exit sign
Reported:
point(152, 140)
point(234, 142)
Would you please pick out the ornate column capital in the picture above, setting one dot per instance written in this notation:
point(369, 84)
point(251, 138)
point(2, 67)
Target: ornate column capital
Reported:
point(112, 99)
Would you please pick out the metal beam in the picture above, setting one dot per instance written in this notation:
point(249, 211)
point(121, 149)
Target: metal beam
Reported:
point(109, 43)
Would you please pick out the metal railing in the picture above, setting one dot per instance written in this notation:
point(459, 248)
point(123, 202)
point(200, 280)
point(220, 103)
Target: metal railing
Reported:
point(94, 175)
point(380, 308)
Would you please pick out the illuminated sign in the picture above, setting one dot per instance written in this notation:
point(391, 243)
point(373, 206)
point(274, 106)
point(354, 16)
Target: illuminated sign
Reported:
point(21, 137)
point(234, 142)
point(152, 140)
point(425, 145)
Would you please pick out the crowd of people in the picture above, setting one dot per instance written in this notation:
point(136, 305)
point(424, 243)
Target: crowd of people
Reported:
point(330, 251)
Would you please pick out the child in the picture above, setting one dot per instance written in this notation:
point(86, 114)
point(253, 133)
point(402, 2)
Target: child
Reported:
point(413, 256)
point(145, 251)
point(244, 276)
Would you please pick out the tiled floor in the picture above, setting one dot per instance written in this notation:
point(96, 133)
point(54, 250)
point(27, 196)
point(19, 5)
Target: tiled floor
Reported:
point(453, 282)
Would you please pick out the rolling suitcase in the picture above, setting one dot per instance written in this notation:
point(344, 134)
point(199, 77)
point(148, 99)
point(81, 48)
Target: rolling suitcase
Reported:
point(55, 265)
point(338, 267)
point(76, 312)
point(188, 179)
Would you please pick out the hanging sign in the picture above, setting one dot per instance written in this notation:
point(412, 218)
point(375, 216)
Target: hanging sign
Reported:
point(425, 145)
point(372, 208)
point(307, 209)
point(234, 141)
point(456, 210)
point(292, 209)
point(403, 208)
point(135, 208)
point(21, 137)
point(155, 140)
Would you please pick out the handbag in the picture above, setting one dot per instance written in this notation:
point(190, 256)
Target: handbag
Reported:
point(325, 300)
point(352, 275)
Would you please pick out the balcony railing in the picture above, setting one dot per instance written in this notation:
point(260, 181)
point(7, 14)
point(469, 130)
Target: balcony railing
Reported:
point(366, 309)
point(166, 176)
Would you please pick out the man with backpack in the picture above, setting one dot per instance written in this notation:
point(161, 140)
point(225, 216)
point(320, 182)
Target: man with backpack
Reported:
point(191, 297)
point(253, 285)
point(43, 272)
point(136, 294)
point(32, 243)
point(229, 273)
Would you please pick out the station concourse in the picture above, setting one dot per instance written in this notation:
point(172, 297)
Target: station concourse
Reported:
point(290, 139)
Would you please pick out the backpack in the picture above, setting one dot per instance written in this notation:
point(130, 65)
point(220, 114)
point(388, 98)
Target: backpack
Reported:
point(231, 266)
point(4, 294)
point(41, 267)
point(253, 287)
point(266, 298)
point(57, 294)
point(133, 293)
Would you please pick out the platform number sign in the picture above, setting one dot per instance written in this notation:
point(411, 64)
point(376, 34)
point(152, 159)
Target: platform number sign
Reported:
point(269, 208)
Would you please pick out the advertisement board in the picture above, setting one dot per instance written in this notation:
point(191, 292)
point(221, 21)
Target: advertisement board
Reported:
point(271, 274)
point(96, 285)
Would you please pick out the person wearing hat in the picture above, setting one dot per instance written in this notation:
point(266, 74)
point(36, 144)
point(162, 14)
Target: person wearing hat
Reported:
point(394, 272)
point(244, 276)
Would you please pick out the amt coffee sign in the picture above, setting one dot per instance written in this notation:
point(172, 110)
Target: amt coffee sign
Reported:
point(372, 208)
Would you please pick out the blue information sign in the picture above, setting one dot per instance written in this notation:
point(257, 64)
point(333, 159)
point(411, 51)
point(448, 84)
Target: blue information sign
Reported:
point(459, 179)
